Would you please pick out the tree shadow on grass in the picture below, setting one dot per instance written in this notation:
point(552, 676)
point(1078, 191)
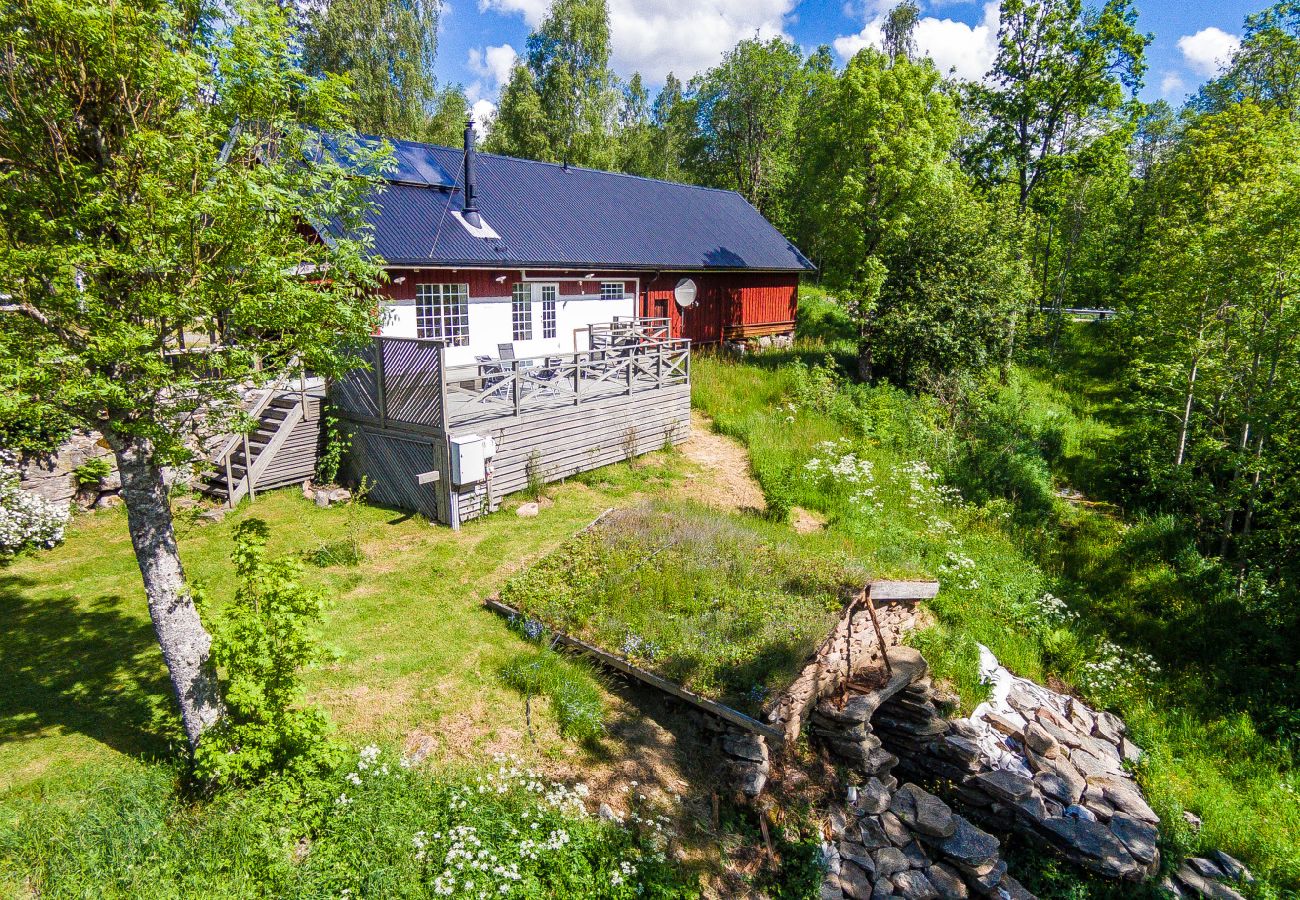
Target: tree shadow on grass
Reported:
point(78, 667)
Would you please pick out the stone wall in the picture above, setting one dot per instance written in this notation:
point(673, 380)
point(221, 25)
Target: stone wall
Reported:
point(852, 647)
point(52, 475)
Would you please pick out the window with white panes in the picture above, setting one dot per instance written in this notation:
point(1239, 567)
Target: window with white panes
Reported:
point(442, 312)
point(550, 293)
point(521, 312)
point(611, 290)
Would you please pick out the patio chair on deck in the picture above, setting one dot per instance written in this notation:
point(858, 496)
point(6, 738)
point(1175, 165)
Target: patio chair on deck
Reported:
point(492, 372)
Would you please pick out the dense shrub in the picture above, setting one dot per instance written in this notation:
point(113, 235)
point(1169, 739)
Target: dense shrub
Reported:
point(26, 519)
point(261, 642)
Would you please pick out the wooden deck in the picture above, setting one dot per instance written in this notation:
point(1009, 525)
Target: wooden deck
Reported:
point(485, 392)
point(549, 417)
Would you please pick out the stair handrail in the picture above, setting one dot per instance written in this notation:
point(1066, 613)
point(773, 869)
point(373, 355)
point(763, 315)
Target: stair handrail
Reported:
point(255, 413)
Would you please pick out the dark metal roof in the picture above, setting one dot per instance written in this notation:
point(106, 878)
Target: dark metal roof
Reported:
point(548, 215)
point(413, 164)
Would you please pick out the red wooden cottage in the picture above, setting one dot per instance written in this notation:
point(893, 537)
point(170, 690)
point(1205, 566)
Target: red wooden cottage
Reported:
point(483, 251)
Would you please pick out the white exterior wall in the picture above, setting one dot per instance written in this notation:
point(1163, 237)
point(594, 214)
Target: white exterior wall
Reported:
point(490, 323)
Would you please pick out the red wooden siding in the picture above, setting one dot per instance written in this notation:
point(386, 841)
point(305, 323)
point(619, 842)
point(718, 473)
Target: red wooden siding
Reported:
point(729, 305)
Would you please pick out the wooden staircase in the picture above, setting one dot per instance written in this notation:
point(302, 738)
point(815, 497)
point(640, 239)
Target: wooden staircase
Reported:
point(280, 451)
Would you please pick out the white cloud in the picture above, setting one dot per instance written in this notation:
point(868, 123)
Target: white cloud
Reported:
point(533, 11)
point(484, 113)
point(655, 37)
point(492, 66)
point(966, 50)
point(1209, 50)
point(1172, 86)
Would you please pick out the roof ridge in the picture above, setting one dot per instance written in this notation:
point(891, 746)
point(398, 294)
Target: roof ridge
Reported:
point(542, 162)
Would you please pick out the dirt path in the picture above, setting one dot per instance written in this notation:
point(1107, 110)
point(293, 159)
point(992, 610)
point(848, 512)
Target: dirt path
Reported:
point(725, 480)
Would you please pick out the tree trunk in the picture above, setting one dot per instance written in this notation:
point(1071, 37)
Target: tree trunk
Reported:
point(186, 644)
point(1187, 415)
point(865, 360)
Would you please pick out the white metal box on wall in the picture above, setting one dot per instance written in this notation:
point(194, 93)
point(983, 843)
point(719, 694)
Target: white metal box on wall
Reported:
point(468, 459)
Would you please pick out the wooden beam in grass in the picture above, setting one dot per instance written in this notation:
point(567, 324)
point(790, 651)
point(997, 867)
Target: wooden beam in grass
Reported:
point(902, 590)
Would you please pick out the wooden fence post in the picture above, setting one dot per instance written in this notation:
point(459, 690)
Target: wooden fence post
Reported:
point(380, 400)
point(514, 367)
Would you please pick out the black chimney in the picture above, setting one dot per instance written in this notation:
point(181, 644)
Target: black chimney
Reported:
point(471, 186)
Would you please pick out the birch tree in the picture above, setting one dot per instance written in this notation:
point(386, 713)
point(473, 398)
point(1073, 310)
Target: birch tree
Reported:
point(157, 185)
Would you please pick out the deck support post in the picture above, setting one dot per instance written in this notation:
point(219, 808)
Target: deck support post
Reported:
point(519, 397)
point(380, 399)
point(248, 470)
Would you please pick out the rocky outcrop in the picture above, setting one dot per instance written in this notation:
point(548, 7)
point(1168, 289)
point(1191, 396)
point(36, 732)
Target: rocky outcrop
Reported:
point(53, 476)
point(325, 494)
point(1032, 761)
point(1209, 877)
point(908, 843)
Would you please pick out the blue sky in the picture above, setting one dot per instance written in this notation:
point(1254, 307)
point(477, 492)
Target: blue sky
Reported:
point(479, 38)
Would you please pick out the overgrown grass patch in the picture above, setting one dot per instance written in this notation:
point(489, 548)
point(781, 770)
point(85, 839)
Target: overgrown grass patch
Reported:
point(571, 687)
point(1132, 634)
point(729, 607)
point(373, 828)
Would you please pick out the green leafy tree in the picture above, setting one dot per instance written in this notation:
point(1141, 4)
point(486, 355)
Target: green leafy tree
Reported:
point(747, 116)
point(155, 195)
point(446, 123)
point(387, 49)
point(900, 30)
point(1062, 75)
point(636, 147)
point(955, 283)
point(673, 124)
point(264, 638)
point(518, 129)
point(880, 146)
point(1266, 68)
point(561, 104)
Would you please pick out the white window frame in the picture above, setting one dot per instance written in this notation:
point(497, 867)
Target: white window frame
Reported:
point(613, 290)
point(550, 294)
point(521, 312)
point(442, 313)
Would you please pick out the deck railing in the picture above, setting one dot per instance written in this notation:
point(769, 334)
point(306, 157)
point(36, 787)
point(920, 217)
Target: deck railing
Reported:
point(512, 387)
point(406, 381)
point(624, 331)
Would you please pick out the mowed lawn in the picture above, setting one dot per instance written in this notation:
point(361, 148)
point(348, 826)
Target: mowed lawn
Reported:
point(414, 657)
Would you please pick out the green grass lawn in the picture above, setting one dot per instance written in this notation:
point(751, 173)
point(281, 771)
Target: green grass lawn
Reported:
point(412, 648)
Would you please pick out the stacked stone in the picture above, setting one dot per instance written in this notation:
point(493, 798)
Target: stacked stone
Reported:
point(53, 475)
point(844, 725)
point(748, 762)
point(910, 844)
point(1206, 877)
point(1071, 792)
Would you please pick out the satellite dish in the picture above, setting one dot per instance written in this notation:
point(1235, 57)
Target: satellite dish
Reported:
point(684, 293)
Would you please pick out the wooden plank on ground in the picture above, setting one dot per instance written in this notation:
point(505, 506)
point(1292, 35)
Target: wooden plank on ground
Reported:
point(902, 590)
point(735, 717)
